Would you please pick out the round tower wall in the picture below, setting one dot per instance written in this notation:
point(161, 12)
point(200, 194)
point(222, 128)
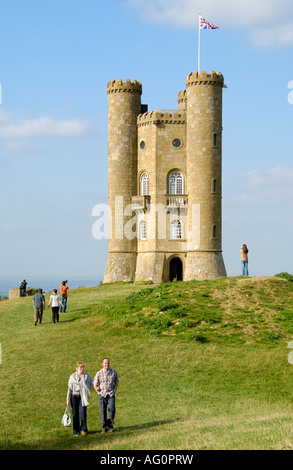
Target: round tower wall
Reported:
point(124, 105)
point(204, 172)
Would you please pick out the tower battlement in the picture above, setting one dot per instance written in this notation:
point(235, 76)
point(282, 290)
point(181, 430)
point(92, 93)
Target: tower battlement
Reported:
point(118, 86)
point(157, 117)
point(204, 78)
point(182, 96)
point(182, 100)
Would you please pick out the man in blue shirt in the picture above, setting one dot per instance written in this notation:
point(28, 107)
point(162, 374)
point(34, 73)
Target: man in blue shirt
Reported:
point(39, 305)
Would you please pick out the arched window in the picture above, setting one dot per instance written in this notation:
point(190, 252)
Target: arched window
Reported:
point(175, 230)
point(142, 230)
point(176, 183)
point(145, 184)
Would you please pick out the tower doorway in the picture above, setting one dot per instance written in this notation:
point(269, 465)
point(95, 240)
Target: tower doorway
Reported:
point(176, 269)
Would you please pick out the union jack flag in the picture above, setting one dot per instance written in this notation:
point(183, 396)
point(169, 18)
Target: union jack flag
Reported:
point(205, 25)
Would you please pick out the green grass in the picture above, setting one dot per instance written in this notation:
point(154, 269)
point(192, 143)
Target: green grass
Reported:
point(202, 365)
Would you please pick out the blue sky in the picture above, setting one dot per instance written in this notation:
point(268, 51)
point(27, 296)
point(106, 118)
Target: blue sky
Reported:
point(56, 59)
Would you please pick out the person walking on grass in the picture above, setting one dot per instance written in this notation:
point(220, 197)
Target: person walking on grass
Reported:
point(106, 383)
point(55, 301)
point(244, 259)
point(79, 386)
point(39, 306)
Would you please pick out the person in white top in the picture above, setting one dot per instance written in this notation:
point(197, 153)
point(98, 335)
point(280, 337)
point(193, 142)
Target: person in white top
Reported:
point(78, 394)
point(55, 301)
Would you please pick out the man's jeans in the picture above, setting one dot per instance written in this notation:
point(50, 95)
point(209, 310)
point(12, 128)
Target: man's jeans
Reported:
point(107, 403)
point(64, 304)
point(244, 263)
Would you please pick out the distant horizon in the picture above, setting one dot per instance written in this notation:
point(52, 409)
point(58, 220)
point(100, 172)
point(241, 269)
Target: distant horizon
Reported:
point(49, 275)
point(47, 283)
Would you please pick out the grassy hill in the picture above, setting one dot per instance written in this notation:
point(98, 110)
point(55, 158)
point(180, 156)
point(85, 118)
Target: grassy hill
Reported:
point(202, 365)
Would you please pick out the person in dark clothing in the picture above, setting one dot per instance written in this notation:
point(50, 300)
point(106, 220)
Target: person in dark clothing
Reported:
point(22, 287)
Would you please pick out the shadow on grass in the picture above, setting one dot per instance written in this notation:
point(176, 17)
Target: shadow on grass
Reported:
point(68, 317)
point(137, 427)
point(93, 438)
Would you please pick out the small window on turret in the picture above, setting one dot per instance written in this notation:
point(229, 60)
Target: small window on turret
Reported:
point(214, 186)
point(214, 232)
point(215, 143)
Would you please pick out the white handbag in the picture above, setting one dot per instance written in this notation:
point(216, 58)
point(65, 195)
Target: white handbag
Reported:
point(66, 420)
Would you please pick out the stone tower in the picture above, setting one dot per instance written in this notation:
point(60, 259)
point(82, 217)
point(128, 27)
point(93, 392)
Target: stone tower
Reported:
point(124, 105)
point(165, 184)
point(204, 175)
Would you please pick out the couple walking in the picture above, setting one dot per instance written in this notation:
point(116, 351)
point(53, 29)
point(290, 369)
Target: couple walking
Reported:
point(55, 301)
point(79, 385)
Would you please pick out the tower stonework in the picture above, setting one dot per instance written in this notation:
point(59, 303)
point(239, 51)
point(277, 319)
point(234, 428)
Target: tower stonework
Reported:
point(165, 184)
point(204, 175)
point(124, 105)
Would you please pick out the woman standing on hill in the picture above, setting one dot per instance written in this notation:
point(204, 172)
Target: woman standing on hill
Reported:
point(79, 386)
point(244, 259)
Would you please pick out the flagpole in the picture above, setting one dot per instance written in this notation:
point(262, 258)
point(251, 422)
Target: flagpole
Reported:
point(198, 53)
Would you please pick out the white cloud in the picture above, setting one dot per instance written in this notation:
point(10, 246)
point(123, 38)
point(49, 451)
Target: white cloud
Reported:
point(269, 22)
point(22, 145)
point(43, 126)
point(279, 35)
point(264, 205)
point(270, 187)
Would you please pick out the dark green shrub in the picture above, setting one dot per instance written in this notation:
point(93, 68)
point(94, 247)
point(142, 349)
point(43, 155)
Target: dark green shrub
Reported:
point(163, 307)
point(157, 324)
point(287, 276)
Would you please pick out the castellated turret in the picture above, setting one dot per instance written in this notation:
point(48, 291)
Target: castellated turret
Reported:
point(124, 105)
point(165, 184)
point(204, 175)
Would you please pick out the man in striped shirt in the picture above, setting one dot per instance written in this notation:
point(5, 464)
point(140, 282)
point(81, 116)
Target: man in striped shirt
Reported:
point(106, 383)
